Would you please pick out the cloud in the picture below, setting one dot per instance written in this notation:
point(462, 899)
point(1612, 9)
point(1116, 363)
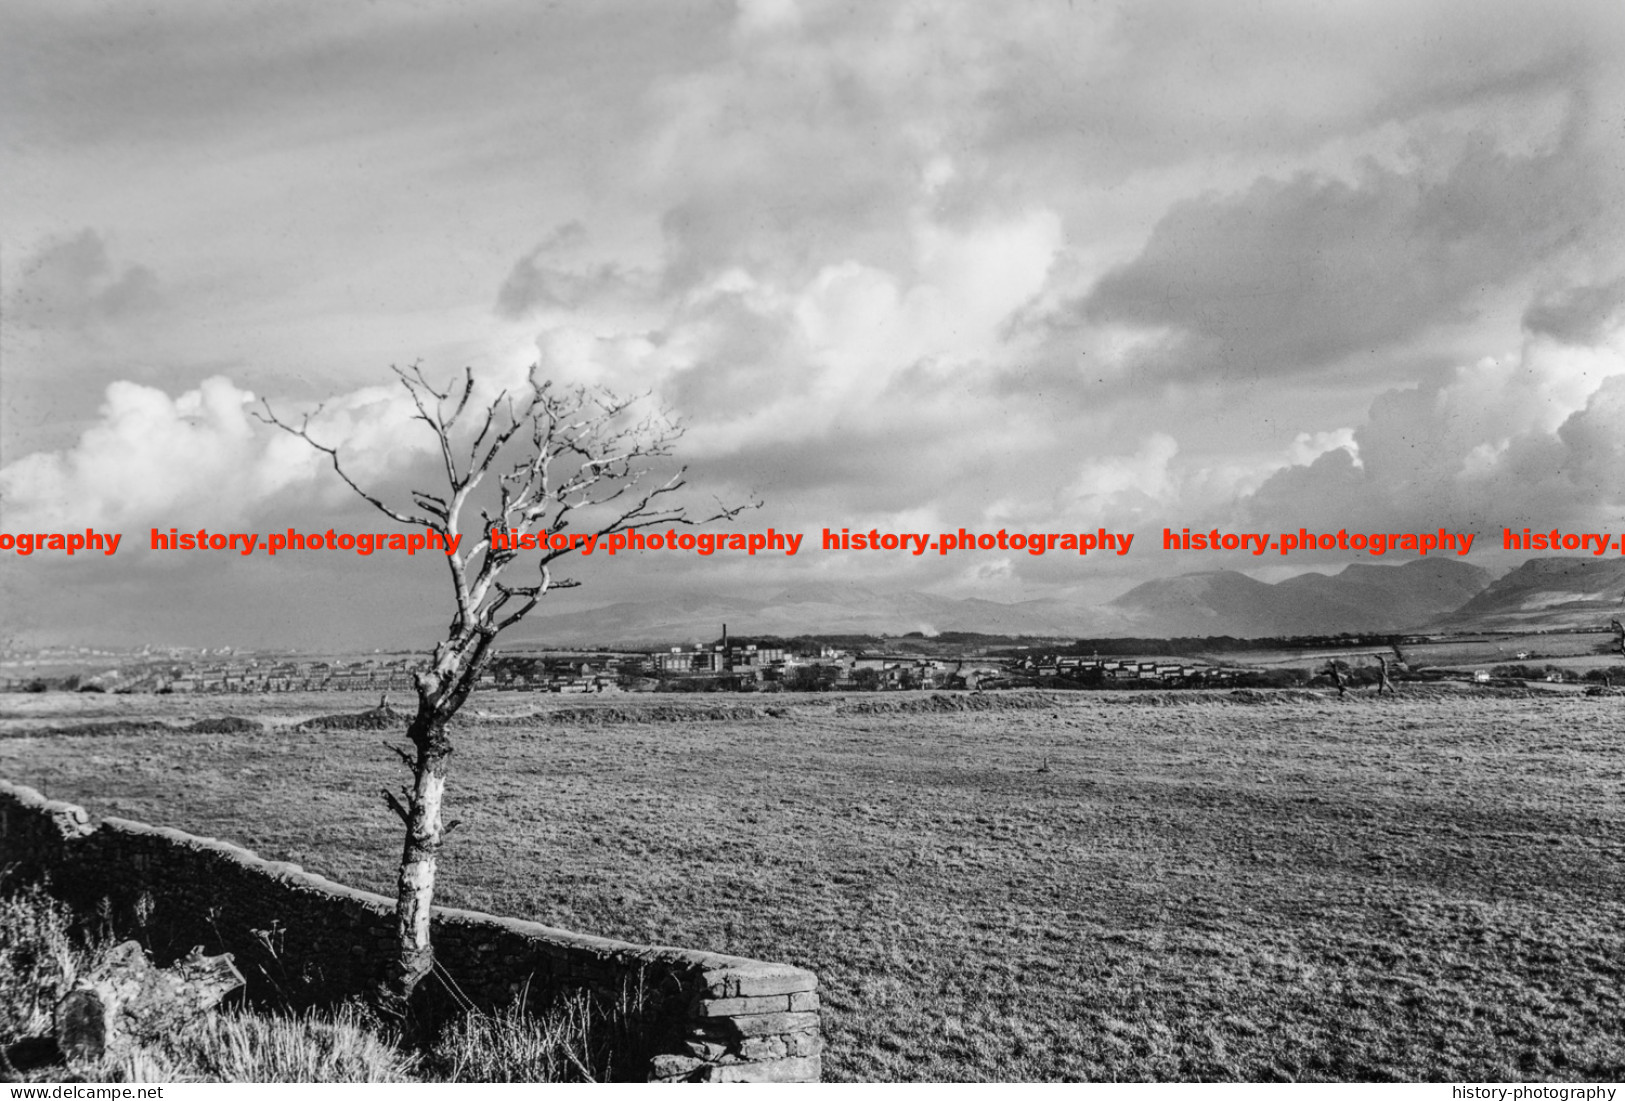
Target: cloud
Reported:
point(149, 457)
point(1309, 446)
point(72, 285)
point(539, 281)
point(1116, 91)
point(1592, 459)
point(1577, 314)
point(752, 358)
point(1293, 276)
point(1531, 438)
point(762, 17)
point(200, 458)
point(805, 145)
point(1122, 485)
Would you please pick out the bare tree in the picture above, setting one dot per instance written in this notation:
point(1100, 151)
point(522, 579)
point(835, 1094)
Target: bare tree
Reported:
point(543, 460)
point(1383, 680)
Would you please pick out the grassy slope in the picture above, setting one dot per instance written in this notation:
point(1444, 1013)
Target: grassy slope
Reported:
point(1365, 889)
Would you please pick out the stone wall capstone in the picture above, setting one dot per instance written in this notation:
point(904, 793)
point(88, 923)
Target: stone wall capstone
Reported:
point(305, 940)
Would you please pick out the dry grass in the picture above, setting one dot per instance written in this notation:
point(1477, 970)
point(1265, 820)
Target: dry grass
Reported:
point(44, 946)
point(1103, 888)
point(244, 1046)
point(580, 1036)
point(42, 949)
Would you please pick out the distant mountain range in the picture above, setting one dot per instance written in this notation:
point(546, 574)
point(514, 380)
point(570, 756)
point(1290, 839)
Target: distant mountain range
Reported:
point(1358, 598)
point(1425, 593)
point(1544, 594)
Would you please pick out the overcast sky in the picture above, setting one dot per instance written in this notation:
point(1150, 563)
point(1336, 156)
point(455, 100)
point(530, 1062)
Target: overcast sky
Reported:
point(913, 266)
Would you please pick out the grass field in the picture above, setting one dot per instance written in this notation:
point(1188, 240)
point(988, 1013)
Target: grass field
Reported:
point(1097, 886)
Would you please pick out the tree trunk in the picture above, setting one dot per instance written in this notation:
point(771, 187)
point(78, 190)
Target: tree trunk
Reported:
point(458, 663)
point(414, 890)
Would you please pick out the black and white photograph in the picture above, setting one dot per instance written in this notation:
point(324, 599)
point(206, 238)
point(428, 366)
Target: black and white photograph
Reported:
point(796, 541)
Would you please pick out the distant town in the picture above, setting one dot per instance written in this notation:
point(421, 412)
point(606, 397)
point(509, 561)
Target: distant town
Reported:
point(968, 662)
point(743, 664)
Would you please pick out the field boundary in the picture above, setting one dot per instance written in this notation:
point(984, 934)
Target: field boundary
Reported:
point(306, 940)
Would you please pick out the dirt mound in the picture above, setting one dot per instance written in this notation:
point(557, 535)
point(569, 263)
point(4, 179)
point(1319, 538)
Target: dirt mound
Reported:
point(230, 724)
point(124, 727)
point(1274, 695)
point(941, 702)
point(660, 713)
point(377, 718)
point(114, 729)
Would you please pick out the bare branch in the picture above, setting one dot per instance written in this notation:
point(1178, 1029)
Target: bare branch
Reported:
point(270, 417)
point(576, 459)
point(395, 805)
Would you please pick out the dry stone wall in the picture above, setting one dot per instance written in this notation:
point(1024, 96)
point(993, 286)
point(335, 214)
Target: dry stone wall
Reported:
point(306, 940)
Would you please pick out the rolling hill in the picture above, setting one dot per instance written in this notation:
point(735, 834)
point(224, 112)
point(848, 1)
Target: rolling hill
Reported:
point(1546, 594)
point(1360, 598)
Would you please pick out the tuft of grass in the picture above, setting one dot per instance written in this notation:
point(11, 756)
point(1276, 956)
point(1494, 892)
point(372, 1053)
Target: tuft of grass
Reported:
point(580, 1036)
point(244, 1046)
point(514, 1045)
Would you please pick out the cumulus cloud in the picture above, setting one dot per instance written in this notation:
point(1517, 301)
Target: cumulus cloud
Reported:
point(752, 357)
point(1309, 446)
point(1514, 440)
point(1122, 485)
point(1295, 275)
point(805, 145)
point(1594, 445)
point(150, 455)
point(197, 458)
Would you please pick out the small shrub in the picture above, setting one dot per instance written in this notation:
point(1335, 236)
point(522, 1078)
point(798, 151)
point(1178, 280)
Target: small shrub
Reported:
point(42, 951)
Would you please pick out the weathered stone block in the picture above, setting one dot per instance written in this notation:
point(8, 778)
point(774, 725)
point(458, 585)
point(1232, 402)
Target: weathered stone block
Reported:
point(673, 1068)
point(804, 1043)
point(806, 1069)
point(732, 1007)
point(709, 1050)
point(761, 1048)
point(755, 980)
point(764, 1024)
point(804, 1002)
